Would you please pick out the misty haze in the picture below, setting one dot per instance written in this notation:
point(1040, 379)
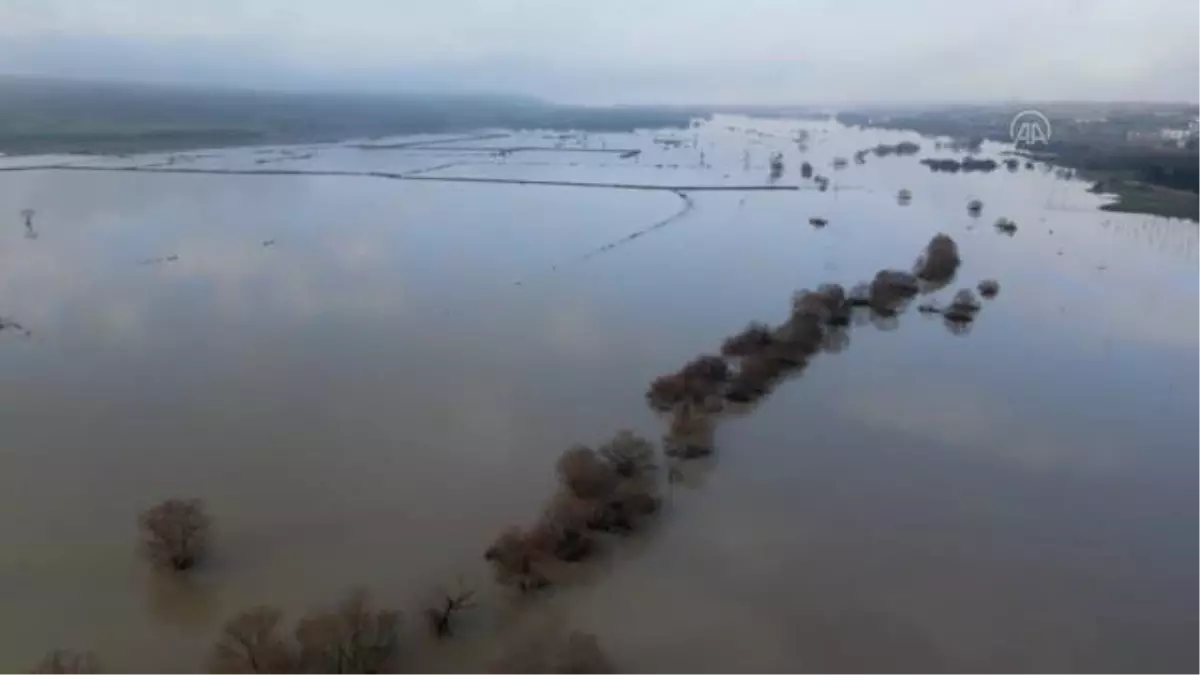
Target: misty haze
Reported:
point(533, 336)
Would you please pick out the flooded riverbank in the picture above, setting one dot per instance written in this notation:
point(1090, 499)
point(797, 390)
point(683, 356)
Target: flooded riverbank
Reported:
point(377, 394)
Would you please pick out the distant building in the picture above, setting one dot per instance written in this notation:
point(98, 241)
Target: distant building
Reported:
point(1181, 136)
point(1165, 136)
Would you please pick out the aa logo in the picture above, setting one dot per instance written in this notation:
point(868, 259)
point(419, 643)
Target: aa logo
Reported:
point(1029, 128)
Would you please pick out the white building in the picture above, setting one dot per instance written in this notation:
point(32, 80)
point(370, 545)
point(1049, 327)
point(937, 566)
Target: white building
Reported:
point(1181, 136)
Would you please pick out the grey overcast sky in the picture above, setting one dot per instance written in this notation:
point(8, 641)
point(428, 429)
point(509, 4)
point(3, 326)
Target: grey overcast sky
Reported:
point(607, 51)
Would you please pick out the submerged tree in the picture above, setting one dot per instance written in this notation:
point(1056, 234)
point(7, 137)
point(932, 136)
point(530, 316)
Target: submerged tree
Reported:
point(609, 490)
point(354, 638)
point(175, 533)
point(754, 339)
point(250, 643)
point(827, 304)
point(962, 308)
point(690, 434)
point(563, 532)
point(585, 474)
point(628, 454)
point(889, 289)
point(700, 381)
point(752, 381)
point(939, 261)
point(1006, 226)
point(445, 603)
point(614, 486)
point(519, 559)
point(776, 165)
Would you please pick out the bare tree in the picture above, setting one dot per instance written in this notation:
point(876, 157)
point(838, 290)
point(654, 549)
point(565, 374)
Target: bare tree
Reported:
point(701, 379)
point(707, 367)
point(175, 532)
point(606, 490)
point(754, 339)
point(250, 643)
point(585, 474)
point(67, 661)
point(890, 289)
point(827, 304)
point(690, 434)
point(445, 604)
point(351, 639)
point(518, 560)
point(801, 334)
point(613, 485)
point(633, 499)
point(563, 529)
point(753, 380)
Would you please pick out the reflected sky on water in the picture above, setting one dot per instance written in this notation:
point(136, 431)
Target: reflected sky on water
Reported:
point(367, 379)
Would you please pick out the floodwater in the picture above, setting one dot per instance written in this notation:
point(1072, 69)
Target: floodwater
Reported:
point(367, 379)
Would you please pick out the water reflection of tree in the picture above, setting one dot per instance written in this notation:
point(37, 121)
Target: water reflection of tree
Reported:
point(836, 340)
point(27, 216)
point(181, 601)
point(957, 327)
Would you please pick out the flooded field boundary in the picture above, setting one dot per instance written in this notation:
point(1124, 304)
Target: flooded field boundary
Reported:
point(501, 149)
point(414, 177)
point(688, 205)
point(433, 141)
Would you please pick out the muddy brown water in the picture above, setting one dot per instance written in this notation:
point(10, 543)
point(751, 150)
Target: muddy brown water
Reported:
point(370, 399)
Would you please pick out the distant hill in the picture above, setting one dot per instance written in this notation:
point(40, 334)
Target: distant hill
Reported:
point(52, 115)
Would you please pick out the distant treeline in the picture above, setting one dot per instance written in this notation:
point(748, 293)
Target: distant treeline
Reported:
point(38, 115)
point(1094, 140)
point(1175, 169)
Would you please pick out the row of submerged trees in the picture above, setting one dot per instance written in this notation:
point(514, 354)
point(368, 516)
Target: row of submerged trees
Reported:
point(351, 637)
point(753, 361)
point(602, 493)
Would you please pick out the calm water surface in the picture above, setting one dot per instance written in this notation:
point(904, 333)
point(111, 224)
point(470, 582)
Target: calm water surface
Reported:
point(369, 397)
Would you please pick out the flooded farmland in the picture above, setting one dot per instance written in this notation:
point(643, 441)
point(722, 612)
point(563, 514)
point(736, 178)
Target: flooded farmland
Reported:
point(368, 372)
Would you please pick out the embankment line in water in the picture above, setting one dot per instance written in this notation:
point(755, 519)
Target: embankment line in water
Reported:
point(414, 177)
